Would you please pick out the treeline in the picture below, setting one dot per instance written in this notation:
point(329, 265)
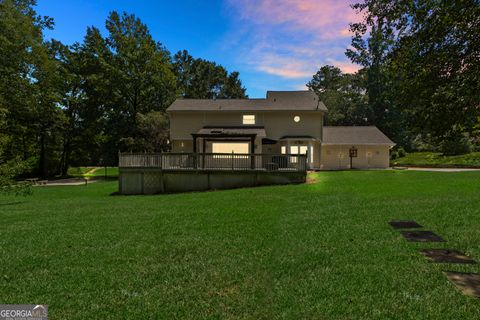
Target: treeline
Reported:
point(420, 74)
point(81, 104)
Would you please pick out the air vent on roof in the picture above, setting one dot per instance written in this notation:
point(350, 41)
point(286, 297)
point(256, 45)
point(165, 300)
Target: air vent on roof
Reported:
point(216, 131)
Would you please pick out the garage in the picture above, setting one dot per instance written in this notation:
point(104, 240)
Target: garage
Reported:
point(369, 147)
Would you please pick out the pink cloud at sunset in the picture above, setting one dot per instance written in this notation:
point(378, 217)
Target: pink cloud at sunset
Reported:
point(292, 38)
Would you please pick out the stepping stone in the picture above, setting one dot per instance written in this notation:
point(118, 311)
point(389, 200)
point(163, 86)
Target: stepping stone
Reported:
point(404, 224)
point(421, 236)
point(468, 283)
point(446, 256)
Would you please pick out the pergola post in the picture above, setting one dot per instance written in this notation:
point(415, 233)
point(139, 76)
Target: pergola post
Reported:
point(194, 136)
point(203, 152)
point(252, 151)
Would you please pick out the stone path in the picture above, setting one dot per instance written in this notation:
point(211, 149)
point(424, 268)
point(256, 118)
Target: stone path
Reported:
point(467, 283)
point(447, 256)
point(421, 236)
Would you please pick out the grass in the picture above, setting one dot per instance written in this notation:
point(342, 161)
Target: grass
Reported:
point(437, 159)
point(89, 172)
point(79, 171)
point(313, 251)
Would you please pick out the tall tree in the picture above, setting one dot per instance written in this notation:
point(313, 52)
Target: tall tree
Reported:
point(372, 53)
point(432, 62)
point(134, 76)
point(26, 91)
point(344, 95)
point(202, 79)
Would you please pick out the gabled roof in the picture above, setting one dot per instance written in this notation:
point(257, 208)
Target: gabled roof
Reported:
point(275, 101)
point(355, 135)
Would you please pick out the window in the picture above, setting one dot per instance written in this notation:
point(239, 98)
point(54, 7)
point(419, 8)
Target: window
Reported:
point(230, 147)
point(284, 149)
point(296, 118)
point(248, 119)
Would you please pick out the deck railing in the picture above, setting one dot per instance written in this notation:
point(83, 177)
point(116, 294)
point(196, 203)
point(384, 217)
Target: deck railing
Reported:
point(215, 161)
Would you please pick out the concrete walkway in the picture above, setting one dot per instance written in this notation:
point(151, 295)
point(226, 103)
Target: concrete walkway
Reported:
point(441, 169)
point(66, 182)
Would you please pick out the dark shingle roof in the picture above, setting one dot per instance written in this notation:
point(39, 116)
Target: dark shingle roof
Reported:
point(355, 135)
point(275, 101)
point(259, 131)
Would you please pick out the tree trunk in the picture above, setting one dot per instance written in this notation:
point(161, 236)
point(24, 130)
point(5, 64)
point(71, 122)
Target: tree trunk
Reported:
point(43, 159)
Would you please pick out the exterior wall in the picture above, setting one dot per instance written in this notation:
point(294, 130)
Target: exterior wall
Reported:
point(277, 124)
point(153, 181)
point(336, 157)
point(277, 149)
point(182, 146)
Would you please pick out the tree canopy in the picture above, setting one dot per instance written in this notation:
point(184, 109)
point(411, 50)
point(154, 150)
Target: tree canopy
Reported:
point(420, 62)
point(80, 104)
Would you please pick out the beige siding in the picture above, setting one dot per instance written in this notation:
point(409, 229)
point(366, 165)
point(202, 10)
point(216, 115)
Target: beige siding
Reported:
point(277, 124)
point(182, 146)
point(371, 156)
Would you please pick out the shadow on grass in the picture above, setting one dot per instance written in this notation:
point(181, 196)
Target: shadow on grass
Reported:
point(11, 203)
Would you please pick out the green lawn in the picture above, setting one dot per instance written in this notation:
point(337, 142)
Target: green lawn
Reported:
point(437, 159)
point(79, 171)
point(90, 172)
point(313, 251)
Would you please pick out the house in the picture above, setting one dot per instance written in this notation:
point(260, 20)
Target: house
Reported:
point(285, 122)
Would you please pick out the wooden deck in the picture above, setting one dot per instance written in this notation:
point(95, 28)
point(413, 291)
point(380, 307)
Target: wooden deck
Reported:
point(215, 161)
point(184, 172)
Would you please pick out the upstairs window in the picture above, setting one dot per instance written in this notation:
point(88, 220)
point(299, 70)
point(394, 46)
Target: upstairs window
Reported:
point(248, 119)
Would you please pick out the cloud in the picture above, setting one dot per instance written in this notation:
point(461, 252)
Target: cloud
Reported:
point(291, 38)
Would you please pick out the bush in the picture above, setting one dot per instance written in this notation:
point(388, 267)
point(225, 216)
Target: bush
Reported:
point(455, 144)
point(393, 155)
point(401, 152)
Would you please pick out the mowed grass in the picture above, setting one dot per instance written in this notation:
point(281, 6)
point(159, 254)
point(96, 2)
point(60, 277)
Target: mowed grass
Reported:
point(89, 172)
point(312, 251)
point(437, 159)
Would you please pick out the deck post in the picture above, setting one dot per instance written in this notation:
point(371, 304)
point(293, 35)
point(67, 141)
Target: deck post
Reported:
point(203, 156)
point(252, 151)
point(194, 143)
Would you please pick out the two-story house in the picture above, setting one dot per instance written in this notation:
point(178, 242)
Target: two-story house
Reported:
point(285, 122)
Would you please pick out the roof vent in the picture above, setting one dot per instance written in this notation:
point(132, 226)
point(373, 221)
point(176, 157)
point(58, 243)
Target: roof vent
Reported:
point(216, 131)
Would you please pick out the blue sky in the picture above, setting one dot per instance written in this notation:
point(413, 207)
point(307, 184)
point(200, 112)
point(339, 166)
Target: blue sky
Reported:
point(274, 44)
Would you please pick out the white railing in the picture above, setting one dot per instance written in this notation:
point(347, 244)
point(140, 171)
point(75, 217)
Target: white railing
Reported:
point(215, 161)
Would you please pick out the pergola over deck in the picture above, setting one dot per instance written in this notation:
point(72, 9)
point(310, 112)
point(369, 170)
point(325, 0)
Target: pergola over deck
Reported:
point(212, 133)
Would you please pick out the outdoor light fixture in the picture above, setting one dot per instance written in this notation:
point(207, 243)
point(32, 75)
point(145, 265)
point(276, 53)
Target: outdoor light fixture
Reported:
point(296, 118)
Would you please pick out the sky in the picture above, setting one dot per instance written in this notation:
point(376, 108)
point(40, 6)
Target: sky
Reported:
point(274, 44)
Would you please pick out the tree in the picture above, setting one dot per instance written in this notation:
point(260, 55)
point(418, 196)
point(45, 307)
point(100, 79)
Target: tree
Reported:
point(133, 75)
point(152, 133)
point(344, 95)
point(202, 79)
point(25, 88)
point(431, 62)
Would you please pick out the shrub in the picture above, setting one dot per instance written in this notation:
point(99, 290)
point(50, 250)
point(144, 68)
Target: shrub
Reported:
point(401, 152)
point(455, 143)
point(393, 155)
